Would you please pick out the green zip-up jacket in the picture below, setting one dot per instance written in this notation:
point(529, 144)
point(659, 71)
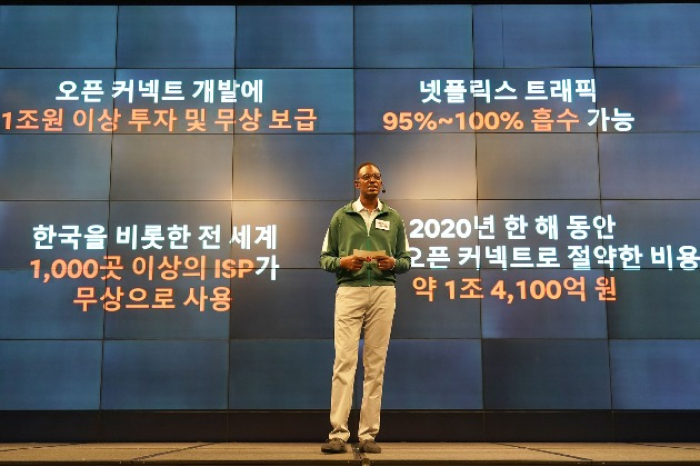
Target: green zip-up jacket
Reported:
point(348, 232)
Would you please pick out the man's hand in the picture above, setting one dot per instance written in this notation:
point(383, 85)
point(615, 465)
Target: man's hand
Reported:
point(353, 263)
point(385, 262)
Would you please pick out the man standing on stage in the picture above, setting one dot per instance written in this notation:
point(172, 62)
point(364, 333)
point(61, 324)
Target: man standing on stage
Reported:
point(365, 246)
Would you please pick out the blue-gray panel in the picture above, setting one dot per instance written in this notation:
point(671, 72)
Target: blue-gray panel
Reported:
point(655, 304)
point(547, 36)
point(50, 375)
point(176, 36)
point(650, 166)
point(659, 99)
point(530, 166)
point(546, 374)
point(285, 166)
point(54, 167)
point(33, 309)
point(176, 374)
point(423, 166)
point(488, 36)
point(532, 36)
point(424, 374)
point(413, 36)
point(294, 37)
point(298, 304)
point(655, 374)
point(646, 35)
point(177, 167)
point(276, 374)
point(46, 36)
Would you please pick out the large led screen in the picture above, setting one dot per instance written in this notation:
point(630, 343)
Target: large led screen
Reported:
point(168, 173)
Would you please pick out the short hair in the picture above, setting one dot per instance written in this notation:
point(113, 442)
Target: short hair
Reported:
point(366, 164)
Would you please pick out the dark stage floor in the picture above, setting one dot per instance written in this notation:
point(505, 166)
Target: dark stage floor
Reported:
point(298, 454)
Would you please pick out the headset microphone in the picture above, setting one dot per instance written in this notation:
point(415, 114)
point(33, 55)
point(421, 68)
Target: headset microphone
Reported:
point(383, 190)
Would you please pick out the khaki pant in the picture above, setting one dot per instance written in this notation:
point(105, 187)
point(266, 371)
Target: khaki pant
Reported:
point(357, 308)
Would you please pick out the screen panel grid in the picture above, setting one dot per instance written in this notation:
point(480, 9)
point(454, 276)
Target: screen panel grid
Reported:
point(167, 175)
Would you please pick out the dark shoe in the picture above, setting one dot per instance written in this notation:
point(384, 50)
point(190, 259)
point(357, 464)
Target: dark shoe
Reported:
point(369, 446)
point(333, 445)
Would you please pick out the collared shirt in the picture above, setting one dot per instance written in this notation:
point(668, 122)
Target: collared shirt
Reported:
point(366, 214)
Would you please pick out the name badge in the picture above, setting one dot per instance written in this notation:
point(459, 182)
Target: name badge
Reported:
point(382, 224)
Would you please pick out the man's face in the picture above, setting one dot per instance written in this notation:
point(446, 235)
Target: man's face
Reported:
point(369, 181)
